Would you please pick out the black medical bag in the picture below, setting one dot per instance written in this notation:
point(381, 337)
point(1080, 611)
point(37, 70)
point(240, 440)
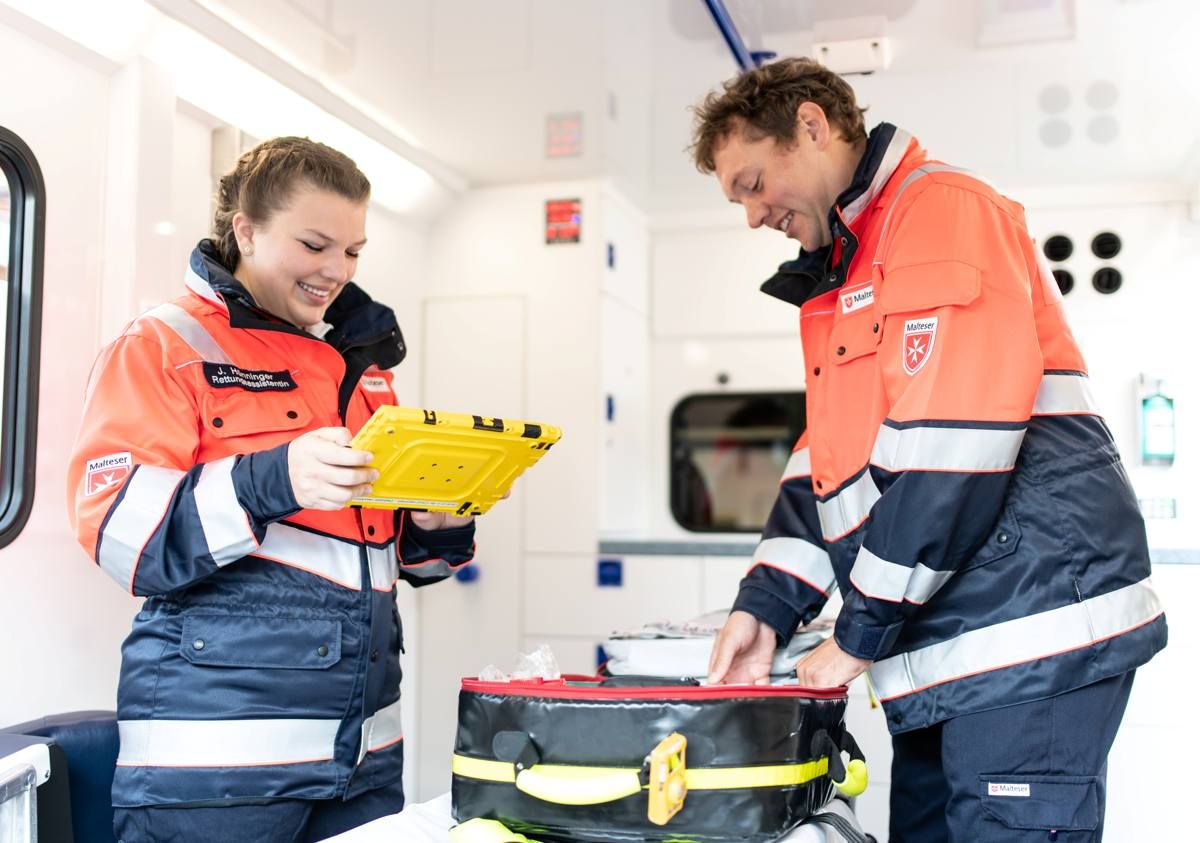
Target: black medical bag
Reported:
point(576, 759)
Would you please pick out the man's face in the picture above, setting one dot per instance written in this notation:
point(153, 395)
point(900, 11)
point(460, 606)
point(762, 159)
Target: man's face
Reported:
point(779, 187)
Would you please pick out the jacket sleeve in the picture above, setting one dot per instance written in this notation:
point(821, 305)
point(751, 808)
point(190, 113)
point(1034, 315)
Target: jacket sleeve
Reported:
point(790, 577)
point(961, 366)
point(139, 504)
point(429, 556)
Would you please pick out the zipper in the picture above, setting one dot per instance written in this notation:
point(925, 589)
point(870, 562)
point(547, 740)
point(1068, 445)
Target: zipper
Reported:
point(589, 688)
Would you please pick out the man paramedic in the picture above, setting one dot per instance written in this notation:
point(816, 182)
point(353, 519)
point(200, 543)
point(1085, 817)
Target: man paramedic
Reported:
point(955, 482)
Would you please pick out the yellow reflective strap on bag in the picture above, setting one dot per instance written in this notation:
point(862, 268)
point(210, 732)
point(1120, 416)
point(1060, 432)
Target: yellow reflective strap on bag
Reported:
point(568, 785)
point(602, 780)
point(486, 831)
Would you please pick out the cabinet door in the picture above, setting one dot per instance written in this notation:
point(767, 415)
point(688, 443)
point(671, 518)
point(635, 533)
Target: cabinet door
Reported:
point(473, 361)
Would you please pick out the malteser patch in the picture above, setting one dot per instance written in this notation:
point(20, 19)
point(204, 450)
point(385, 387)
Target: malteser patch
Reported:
point(106, 472)
point(857, 299)
point(1008, 789)
point(919, 335)
point(375, 383)
point(225, 375)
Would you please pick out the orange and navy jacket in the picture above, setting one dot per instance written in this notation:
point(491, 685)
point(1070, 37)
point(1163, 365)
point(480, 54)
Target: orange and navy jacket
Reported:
point(955, 480)
point(265, 660)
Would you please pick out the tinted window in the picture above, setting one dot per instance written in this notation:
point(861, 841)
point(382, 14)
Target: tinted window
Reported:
point(22, 218)
point(728, 451)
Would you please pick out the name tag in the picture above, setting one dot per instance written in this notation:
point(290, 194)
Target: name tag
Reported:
point(225, 375)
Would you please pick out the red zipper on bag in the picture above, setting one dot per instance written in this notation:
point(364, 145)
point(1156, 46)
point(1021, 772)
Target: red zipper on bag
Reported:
point(588, 688)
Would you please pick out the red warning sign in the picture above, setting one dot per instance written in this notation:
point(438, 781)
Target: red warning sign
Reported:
point(563, 220)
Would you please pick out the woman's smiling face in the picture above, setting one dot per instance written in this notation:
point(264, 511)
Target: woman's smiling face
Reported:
point(296, 263)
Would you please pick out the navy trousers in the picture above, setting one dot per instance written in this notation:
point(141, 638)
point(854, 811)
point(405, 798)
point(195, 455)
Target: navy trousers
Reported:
point(1029, 772)
point(281, 821)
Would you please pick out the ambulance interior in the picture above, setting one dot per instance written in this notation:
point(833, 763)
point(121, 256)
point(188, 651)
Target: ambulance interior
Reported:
point(553, 255)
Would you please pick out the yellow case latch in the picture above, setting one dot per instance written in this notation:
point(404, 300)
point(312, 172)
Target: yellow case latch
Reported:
point(668, 778)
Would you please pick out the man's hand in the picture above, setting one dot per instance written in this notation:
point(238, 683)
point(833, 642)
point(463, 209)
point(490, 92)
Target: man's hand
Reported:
point(742, 653)
point(325, 472)
point(827, 666)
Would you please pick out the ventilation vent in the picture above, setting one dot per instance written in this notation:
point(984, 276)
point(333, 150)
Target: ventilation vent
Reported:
point(1065, 280)
point(1106, 245)
point(1058, 248)
point(1107, 280)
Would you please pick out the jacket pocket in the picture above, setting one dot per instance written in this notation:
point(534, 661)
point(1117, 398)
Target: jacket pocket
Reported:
point(854, 336)
point(247, 641)
point(1046, 803)
point(1003, 540)
point(239, 414)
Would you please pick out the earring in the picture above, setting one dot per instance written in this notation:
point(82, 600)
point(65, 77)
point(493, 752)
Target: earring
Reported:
point(247, 251)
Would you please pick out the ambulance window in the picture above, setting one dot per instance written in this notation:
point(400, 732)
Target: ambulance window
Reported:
point(728, 452)
point(22, 219)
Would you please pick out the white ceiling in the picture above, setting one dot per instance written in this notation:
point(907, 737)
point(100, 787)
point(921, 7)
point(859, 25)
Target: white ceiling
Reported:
point(472, 82)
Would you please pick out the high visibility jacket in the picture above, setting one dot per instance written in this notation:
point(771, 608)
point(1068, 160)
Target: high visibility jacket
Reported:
point(265, 659)
point(955, 480)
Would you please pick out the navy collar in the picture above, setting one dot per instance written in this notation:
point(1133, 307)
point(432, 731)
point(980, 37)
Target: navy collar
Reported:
point(812, 273)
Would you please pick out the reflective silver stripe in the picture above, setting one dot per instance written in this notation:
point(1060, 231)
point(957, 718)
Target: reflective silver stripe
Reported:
point(848, 508)
point(383, 564)
point(190, 331)
point(876, 577)
point(381, 729)
point(919, 172)
point(802, 559)
point(946, 448)
point(224, 743)
point(891, 160)
point(133, 521)
point(1064, 394)
point(429, 569)
point(226, 525)
point(798, 465)
point(321, 555)
point(1018, 641)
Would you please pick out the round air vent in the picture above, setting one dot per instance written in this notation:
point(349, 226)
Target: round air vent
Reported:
point(1107, 280)
point(1106, 245)
point(1066, 281)
point(1058, 248)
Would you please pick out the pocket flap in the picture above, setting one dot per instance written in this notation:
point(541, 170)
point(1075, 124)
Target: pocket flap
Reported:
point(1065, 803)
point(1002, 541)
point(245, 641)
point(247, 413)
point(929, 285)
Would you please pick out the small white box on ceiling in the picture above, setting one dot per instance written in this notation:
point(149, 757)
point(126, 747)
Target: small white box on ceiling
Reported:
point(852, 45)
point(860, 55)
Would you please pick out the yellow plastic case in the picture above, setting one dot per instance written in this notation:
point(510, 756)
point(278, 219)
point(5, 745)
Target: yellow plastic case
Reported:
point(447, 462)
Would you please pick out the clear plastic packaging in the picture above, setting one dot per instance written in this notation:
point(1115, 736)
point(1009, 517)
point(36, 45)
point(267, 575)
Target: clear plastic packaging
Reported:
point(540, 664)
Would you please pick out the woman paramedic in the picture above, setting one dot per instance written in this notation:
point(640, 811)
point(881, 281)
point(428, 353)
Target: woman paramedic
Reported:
point(259, 696)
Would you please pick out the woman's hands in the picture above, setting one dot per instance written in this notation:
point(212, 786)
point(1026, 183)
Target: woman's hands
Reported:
point(325, 472)
point(439, 520)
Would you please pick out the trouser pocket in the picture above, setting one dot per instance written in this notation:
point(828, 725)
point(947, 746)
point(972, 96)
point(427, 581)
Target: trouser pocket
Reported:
point(1060, 808)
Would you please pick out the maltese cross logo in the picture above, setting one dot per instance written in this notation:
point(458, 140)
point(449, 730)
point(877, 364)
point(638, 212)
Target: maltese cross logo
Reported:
point(919, 335)
point(106, 472)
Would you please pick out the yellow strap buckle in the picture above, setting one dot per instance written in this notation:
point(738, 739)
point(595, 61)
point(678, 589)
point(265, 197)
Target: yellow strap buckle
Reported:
point(668, 778)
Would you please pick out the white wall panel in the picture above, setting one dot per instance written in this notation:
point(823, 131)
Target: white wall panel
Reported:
point(61, 618)
point(563, 598)
point(705, 283)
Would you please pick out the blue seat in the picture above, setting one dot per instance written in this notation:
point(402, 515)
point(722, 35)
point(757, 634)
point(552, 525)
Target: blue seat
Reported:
point(89, 741)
